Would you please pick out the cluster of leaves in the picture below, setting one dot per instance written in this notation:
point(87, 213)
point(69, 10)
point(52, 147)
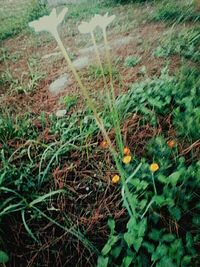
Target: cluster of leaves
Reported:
point(157, 233)
point(176, 11)
point(185, 43)
point(159, 97)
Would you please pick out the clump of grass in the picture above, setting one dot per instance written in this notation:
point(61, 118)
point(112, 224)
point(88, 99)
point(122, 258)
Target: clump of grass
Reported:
point(14, 20)
point(185, 43)
point(176, 11)
point(131, 61)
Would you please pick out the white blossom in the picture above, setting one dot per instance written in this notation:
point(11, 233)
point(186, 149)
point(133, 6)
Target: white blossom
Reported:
point(49, 23)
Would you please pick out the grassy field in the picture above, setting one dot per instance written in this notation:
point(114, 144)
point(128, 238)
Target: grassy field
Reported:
point(72, 194)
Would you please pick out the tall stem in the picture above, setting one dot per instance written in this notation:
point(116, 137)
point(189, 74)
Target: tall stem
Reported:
point(98, 121)
point(86, 95)
point(115, 113)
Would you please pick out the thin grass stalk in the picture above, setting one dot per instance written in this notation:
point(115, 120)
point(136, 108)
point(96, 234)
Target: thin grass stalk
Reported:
point(114, 113)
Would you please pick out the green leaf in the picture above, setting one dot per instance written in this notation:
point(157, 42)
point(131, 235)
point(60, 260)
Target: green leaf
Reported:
point(149, 247)
point(186, 261)
point(127, 260)
point(129, 238)
point(142, 227)
point(160, 252)
point(102, 262)
point(174, 177)
point(175, 212)
point(108, 246)
point(155, 235)
point(163, 179)
point(3, 257)
point(116, 251)
point(168, 238)
point(111, 225)
point(137, 243)
point(159, 200)
point(166, 262)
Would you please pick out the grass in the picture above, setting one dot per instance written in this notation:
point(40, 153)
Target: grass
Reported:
point(15, 16)
point(184, 43)
point(177, 12)
point(57, 200)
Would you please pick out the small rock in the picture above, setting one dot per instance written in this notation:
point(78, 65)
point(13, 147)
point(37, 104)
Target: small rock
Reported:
point(59, 84)
point(55, 54)
point(81, 62)
point(61, 113)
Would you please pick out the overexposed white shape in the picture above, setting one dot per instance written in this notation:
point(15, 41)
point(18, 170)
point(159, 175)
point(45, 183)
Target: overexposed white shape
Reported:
point(49, 23)
point(86, 27)
point(102, 21)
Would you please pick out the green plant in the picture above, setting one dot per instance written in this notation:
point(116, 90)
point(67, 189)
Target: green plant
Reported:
point(131, 61)
point(178, 11)
point(14, 20)
point(184, 43)
point(164, 95)
point(157, 237)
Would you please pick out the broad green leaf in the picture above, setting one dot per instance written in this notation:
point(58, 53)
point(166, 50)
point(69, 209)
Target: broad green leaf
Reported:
point(111, 225)
point(174, 177)
point(168, 238)
point(116, 251)
point(159, 200)
point(3, 257)
point(160, 252)
point(137, 243)
point(102, 261)
point(175, 212)
point(127, 261)
point(155, 235)
point(108, 246)
point(149, 247)
point(129, 238)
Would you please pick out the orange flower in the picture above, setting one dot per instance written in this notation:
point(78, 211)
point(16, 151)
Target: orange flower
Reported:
point(171, 143)
point(126, 159)
point(104, 144)
point(115, 179)
point(154, 167)
point(127, 151)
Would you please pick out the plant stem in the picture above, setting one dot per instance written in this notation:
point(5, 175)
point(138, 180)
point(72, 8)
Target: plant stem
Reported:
point(86, 95)
point(154, 186)
point(115, 113)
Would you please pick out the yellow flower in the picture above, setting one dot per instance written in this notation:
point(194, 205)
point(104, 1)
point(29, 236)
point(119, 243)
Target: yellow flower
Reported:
point(115, 179)
point(127, 159)
point(49, 23)
point(154, 167)
point(127, 151)
point(171, 143)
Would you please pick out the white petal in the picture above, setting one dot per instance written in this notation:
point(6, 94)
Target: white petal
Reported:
point(85, 27)
point(62, 15)
point(35, 24)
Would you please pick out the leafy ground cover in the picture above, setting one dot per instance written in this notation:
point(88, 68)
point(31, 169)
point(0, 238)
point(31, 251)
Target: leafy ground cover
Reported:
point(61, 196)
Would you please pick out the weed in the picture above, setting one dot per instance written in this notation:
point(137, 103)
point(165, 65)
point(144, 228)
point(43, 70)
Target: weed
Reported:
point(131, 61)
point(177, 12)
point(14, 20)
point(69, 101)
point(164, 95)
point(95, 72)
point(185, 43)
